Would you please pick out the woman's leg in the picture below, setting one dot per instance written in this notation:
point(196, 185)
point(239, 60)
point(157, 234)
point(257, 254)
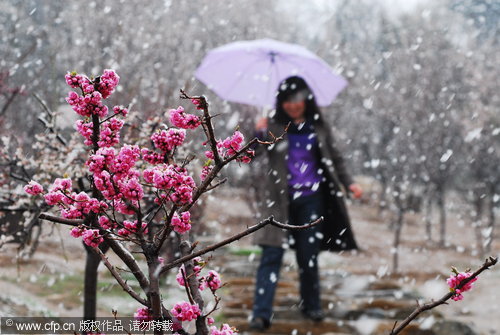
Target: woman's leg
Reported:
point(266, 281)
point(307, 247)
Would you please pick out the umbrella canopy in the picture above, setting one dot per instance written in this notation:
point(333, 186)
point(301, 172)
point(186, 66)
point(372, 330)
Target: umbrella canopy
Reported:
point(249, 72)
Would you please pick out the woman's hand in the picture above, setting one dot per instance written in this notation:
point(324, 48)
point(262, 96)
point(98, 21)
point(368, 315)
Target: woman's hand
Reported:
point(356, 190)
point(261, 124)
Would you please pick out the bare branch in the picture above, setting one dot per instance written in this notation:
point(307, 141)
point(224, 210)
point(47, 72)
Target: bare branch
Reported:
point(56, 219)
point(119, 278)
point(130, 261)
point(49, 125)
point(236, 237)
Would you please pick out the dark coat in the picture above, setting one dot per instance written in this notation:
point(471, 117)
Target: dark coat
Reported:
point(336, 228)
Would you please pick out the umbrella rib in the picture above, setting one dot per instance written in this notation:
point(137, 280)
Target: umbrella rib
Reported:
point(270, 81)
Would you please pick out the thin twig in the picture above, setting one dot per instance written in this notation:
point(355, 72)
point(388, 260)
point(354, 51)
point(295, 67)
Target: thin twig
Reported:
point(211, 187)
point(126, 287)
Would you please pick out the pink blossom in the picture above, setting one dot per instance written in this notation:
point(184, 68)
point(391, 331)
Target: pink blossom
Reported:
point(181, 223)
point(132, 227)
point(152, 157)
point(167, 140)
point(172, 179)
point(85, 129)
point(212, 280)
point(73, 79)
point(205, 171)
point(57, 191)
point(53, 198)
point(125, 208)
point(455, 280)
point(197, 103)
point(180, 119)
point(143, 314)
point(247, 156)
point(230, 147)
point(225, 329)
point(110, 133)
point(209, 154)
point(77, 232)
point(179, 277)
point(61, 184)
point(106, 223)
point(89, 104)
point(125, 160)
point(108, 82)
point(210, 321)
point(33, 188)
point(120, 110)
point(184, 311)
point(197, 266)
point(131, 189)
point(104, 183)
point(92, 238)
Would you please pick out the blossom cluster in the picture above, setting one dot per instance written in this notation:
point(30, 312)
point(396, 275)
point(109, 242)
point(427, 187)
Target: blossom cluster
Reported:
point(167, 140)
point(231, 146)
point(143, 314)
point(173, 182)
point(152, 157)
point(205, 171)
point(455, 281)
point(212, 280)
point(225, 329)
point(87, 105)
point(33, 188)
point(90, 237)
point(179, 118)
point(184, 311)
point(72, 205)
point(181, 223)
point(132, 227)
point(116, 178)
point(109, 134)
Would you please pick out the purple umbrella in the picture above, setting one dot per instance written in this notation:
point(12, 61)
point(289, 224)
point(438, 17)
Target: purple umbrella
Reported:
point(249, 72)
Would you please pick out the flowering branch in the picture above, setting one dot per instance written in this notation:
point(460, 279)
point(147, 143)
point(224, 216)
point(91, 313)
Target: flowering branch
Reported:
point(491, 261)
point(202, 104)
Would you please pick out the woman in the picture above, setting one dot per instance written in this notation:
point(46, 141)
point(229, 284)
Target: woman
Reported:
point(304, 181)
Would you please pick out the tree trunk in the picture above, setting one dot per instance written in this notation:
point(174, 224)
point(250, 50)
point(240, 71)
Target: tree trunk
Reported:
point(478, 227)
point(382, 204)
point(397, 240)
point(442, 216)
point(428, 218)
point(90, 282)
point(154, 295)
point(491, 220)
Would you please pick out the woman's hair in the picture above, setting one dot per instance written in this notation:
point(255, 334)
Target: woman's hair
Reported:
point(295, 88)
